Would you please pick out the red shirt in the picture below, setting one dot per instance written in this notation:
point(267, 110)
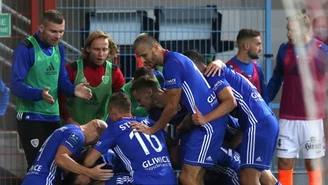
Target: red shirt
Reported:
point(93, 75)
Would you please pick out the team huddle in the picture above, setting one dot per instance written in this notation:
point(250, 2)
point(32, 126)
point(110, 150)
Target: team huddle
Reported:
point(212, 123)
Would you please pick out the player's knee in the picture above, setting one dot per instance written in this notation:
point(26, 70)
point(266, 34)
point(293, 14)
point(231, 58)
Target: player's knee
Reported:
point(285, 163)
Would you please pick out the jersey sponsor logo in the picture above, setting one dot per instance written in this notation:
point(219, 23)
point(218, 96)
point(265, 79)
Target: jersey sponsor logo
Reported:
point(105, 79)
point(73, 139)
point(35, 142)
point(217, 85)
point(34, 170)
point(50, 70)
point(256, 96)
point(171, 81)
point(212, 100)
point(156, 162)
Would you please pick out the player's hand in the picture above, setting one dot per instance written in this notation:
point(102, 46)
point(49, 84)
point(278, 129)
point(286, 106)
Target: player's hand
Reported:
point(140, 127)
point(46, 96)
point(214, 68)
point(101, 174)
point(82, 91)
point(198, 117)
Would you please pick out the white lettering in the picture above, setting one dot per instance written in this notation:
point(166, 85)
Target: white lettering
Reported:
point(36, 168)
point(155, 161)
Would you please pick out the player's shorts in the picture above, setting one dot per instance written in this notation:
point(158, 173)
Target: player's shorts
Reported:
point(226, 169)
point(258, 144)
point(304, 135)
point(204, 142)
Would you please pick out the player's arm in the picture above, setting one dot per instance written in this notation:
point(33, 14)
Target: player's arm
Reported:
point(92, 156)
point(62, 98)
point(22, 61)
point(64, 161)
point(277, 77)
point(172, 98)
point(228, 103)
point(64, 84)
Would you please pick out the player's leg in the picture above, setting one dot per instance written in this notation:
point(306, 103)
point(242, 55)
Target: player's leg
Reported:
point(31, 134)
point(267, 177)
point(201, 151)
point(313, 149)
point(257, 149)
point(190, 174)
point(287, 149)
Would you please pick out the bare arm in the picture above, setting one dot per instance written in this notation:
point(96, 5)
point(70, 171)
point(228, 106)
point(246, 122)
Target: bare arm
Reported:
point(228, 103)
point(63, 160)
point(171, 109)
point(91, 157)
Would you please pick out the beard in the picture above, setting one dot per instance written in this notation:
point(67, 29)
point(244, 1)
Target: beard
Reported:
point(253, 56)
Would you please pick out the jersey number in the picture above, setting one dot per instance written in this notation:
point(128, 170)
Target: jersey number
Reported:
point(150, 138)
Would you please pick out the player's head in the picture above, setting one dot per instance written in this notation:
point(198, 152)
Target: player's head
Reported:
point(143, 71)
point(119, 106)
point(298, 27)
point(93, 130)
point(149, 50)
point(249, 41)
point(320, 28)
point(197, 58)
point(99, 47)
point(52, 27)
point(146, 92)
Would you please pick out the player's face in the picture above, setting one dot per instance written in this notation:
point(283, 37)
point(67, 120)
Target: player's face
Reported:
point(294, 33)
point(98, 51)
point(255, 48)
point(51, 33)
point(320, 28)
point(148, 55)
point(144, 98)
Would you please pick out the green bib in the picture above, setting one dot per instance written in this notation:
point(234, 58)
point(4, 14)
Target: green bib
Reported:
point(136, 109)
point(83, 111)
point(44, 73)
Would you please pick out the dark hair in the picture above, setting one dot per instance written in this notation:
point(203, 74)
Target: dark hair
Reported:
point(121, 101)
point(195, 56)
point(144, 39)
point(247, 34)
point(144, 83)
point(53, 16)
point(143, 71)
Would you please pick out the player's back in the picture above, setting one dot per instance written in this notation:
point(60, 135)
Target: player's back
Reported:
point(145, 156)
point(250, 103)
point(195, 88)
point(44, 170)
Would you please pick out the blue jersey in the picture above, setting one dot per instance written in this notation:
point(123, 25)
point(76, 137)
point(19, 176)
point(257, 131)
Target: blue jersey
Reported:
point(4, 98)
point(23, 60)
point(44, 170)
point(250, 105)
point(180, 72)
point(145, 156)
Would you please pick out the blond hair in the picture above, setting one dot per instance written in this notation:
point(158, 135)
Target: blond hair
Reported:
point(302, 18)
point(113, 49)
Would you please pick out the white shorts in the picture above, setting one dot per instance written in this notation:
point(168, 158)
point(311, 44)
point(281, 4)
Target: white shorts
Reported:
point(304, 135)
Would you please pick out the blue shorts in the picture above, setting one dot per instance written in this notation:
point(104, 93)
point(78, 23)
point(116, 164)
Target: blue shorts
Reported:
point(258, 144)
point(204, 142)
point(226, 169)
